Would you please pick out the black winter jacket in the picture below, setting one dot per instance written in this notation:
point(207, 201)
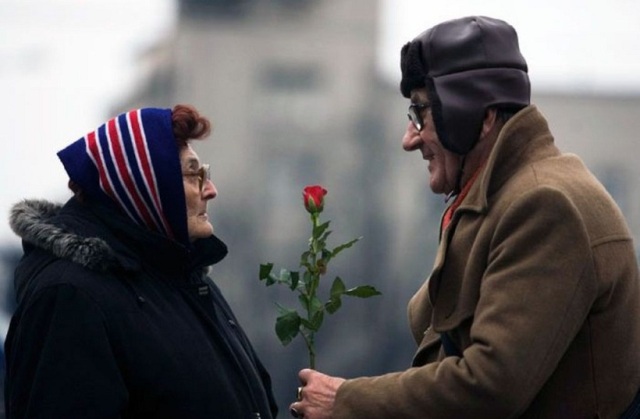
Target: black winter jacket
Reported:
point(114, 321)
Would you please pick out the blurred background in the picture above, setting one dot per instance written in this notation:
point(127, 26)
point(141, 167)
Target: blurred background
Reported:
point(302, 92)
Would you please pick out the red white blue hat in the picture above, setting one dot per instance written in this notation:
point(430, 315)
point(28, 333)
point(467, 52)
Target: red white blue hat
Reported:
point(133, 161)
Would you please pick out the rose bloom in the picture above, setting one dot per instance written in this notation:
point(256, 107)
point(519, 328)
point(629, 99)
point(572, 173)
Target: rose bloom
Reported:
point(313, 197)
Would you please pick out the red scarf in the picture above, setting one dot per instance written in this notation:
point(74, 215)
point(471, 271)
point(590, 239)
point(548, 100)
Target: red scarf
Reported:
point(448, 213)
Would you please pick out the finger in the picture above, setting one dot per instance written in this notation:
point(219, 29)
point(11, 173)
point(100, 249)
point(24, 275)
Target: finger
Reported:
point(304, 375)
point(295, 411)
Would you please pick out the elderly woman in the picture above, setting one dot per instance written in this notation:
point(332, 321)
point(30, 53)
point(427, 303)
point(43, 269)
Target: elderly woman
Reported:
point(117, 317)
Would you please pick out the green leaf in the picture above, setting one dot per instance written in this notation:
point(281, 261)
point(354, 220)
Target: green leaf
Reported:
point(333, 304)
point(363, 291)
point(311, 304)
point(282, 309)
point(344, 246)
point(322, 241)
point(285, 276)
point(304, 258)
point(319, 230)
point(306, 266)
point(315, 322)
point(265, 270)
point(315, 306)
point(287, 325)
point(272, 279)
point(304, 301)
point(295, 279)
point(337, 288)
point(335, 300)
point(306, 324)
point(307, 279)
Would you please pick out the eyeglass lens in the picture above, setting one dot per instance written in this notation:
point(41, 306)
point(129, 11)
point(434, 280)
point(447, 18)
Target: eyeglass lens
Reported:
point(414, 117)
point(204, 174)
point(415, 114)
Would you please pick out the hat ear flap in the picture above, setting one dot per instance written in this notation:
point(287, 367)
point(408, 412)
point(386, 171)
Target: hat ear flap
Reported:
point(412, 67)
point(437, 113)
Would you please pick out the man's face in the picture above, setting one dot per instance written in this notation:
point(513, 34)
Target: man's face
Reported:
point(198, 224)
point(443, 164)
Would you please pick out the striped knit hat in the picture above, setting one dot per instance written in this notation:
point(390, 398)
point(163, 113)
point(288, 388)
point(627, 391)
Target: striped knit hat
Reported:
point(133, 161)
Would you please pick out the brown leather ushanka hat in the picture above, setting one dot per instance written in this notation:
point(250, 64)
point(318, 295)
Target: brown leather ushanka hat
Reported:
point(467, 65)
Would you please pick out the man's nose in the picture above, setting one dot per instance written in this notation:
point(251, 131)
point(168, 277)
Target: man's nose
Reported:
point(411, 139)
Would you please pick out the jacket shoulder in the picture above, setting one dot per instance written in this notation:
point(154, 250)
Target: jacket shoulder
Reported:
point(46, 272)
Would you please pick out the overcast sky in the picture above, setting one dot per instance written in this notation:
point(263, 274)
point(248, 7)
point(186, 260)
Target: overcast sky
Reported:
point(570, 45)
point(63, 64)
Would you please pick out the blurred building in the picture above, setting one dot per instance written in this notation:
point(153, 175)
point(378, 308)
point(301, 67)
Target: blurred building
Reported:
point(604, 131)
point(292, 88)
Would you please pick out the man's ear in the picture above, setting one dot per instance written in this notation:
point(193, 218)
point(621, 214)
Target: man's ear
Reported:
point(489, 123)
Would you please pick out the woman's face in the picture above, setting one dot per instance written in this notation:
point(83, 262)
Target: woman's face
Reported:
point(198, 190)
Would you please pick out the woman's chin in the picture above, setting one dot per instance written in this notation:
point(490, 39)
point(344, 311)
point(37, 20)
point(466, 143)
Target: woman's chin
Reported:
point(202, 230)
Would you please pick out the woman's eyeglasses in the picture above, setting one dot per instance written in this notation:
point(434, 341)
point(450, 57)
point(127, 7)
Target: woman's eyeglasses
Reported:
point(203, 174)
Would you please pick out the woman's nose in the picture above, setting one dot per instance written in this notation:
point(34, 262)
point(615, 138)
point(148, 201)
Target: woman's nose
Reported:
point(209, 190)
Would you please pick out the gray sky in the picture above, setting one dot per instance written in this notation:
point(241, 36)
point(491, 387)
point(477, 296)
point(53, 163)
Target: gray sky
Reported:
point(571, 45)
point(63, 63)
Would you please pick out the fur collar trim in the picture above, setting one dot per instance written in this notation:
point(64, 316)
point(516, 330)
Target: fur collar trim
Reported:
point(33, 221)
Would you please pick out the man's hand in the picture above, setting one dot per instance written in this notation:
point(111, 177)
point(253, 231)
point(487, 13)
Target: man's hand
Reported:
point(316, 396)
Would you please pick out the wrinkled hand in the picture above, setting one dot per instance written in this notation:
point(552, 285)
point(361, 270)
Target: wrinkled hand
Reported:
point(317, 396)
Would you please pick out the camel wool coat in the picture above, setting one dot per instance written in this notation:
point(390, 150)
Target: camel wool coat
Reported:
point(536, 284)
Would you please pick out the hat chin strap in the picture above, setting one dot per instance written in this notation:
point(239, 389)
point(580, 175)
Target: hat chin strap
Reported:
point(458, 186)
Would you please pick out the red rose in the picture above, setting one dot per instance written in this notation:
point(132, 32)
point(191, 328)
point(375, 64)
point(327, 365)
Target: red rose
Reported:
point(314, 261)
point(313, 197)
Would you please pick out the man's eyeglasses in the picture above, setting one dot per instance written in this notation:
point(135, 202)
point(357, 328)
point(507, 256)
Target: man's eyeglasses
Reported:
point(203, 174)
point(415, 114)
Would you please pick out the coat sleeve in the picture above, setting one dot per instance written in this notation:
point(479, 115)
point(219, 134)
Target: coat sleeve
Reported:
point(59, 361)
point(535, 295)
point(262, 372)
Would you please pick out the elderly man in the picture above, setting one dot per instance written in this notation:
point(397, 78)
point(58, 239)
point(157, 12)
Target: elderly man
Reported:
point(532, 309)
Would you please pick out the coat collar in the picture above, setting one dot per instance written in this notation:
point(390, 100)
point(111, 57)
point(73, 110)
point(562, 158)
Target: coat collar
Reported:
point(524, 139)
point(101, 239)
